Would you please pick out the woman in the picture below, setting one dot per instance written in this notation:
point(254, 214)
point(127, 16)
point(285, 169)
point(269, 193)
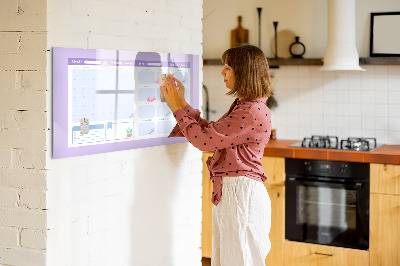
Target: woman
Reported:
point(242, 208)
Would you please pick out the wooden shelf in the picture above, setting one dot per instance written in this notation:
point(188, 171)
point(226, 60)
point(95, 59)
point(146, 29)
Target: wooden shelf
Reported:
point(273, 62)
point(212, 62)
point(380, 61)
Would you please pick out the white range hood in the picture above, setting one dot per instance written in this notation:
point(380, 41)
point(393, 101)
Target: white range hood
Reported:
point(341, 51)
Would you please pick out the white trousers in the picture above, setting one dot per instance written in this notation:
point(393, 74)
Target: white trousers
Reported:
point(241, 223)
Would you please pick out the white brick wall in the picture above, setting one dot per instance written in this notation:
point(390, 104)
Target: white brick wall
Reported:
point(24, 256)
point(33, 239)
point(23, 125)
point(135, 207)
point(9, 237)
point(23, 178)
point(99, 205)
point(8, 197)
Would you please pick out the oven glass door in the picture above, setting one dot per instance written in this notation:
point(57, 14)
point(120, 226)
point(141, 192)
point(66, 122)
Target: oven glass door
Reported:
point(326, 207)
point(326, 213)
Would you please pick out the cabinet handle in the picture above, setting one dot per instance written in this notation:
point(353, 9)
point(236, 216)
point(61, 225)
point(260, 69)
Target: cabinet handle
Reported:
point(324, 254)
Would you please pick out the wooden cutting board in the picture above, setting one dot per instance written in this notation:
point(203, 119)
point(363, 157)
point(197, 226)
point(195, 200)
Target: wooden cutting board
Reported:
point(239, 35)
point(285, 39)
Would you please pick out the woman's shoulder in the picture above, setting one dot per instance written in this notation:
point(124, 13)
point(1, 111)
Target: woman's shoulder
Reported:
point(256, 104)
point(259, 109)
point(253, 108)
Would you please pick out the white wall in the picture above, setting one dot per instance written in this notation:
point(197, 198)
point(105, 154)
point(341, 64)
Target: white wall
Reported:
point(343, 104)
point(23, 133)
point(134, 207)
point(304, 18)
point(311, 102)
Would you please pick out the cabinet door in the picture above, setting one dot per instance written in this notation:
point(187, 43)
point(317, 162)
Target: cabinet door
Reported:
point(274, 168)
point(384, 230)
point(277, 233)
point(206, 226)
point(385, 178)
point(304, 254)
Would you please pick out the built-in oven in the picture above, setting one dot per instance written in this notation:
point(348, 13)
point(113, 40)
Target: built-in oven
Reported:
point(327, 202)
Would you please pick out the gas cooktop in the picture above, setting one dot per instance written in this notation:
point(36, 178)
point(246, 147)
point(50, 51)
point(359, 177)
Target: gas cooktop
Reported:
point(332, 142)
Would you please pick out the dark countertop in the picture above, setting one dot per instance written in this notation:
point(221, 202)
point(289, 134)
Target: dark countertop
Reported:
point(389, 154)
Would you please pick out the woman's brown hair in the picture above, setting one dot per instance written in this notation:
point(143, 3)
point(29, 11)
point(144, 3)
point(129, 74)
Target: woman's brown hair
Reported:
point(250, 66)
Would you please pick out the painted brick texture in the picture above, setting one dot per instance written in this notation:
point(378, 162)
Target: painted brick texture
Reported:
point(135, 207)
point(23, 15)
point(8, 197)
point(23, 178)
point(33, 239)
point(23, 126)
point(9, 237)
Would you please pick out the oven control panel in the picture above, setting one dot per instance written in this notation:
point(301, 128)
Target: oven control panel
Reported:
point(338, 169)
point(325, 167)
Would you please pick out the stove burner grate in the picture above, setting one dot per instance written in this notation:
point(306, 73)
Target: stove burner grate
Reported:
point(358, 144)
point(327, 142)
point(332, 142)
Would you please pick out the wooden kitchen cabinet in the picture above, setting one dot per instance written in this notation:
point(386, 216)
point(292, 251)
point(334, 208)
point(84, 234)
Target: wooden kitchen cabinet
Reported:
point(305, 254)
point(274, 168)
point(277, 233)
point(206, 225)
point(384, 236)
point(385, 178)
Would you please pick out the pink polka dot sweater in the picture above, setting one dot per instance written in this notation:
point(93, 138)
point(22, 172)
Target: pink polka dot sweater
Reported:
point(238, 139)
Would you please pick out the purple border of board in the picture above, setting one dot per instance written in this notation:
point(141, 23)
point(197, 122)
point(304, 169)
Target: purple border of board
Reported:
point(60, 99)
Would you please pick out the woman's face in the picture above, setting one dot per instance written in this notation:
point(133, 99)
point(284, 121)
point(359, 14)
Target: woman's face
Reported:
point(229, 76)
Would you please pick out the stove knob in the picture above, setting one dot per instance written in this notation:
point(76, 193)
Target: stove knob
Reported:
point(308, 166)
point(343, 168)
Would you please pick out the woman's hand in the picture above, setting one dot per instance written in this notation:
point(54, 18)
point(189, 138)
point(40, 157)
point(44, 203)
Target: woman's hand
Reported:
point(181, 92)
point(172, 95)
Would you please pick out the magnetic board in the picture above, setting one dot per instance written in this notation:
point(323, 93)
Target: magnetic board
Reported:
point(109, 100)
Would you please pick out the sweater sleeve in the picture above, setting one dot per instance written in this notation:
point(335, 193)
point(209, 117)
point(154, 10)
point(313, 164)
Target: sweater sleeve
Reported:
point(231, 130)
point(193, 113)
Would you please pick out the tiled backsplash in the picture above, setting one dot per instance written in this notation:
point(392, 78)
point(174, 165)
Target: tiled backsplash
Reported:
point(314, 102)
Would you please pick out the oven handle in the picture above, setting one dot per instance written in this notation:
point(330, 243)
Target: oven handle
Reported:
point(357, 185)
point(324, 254)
